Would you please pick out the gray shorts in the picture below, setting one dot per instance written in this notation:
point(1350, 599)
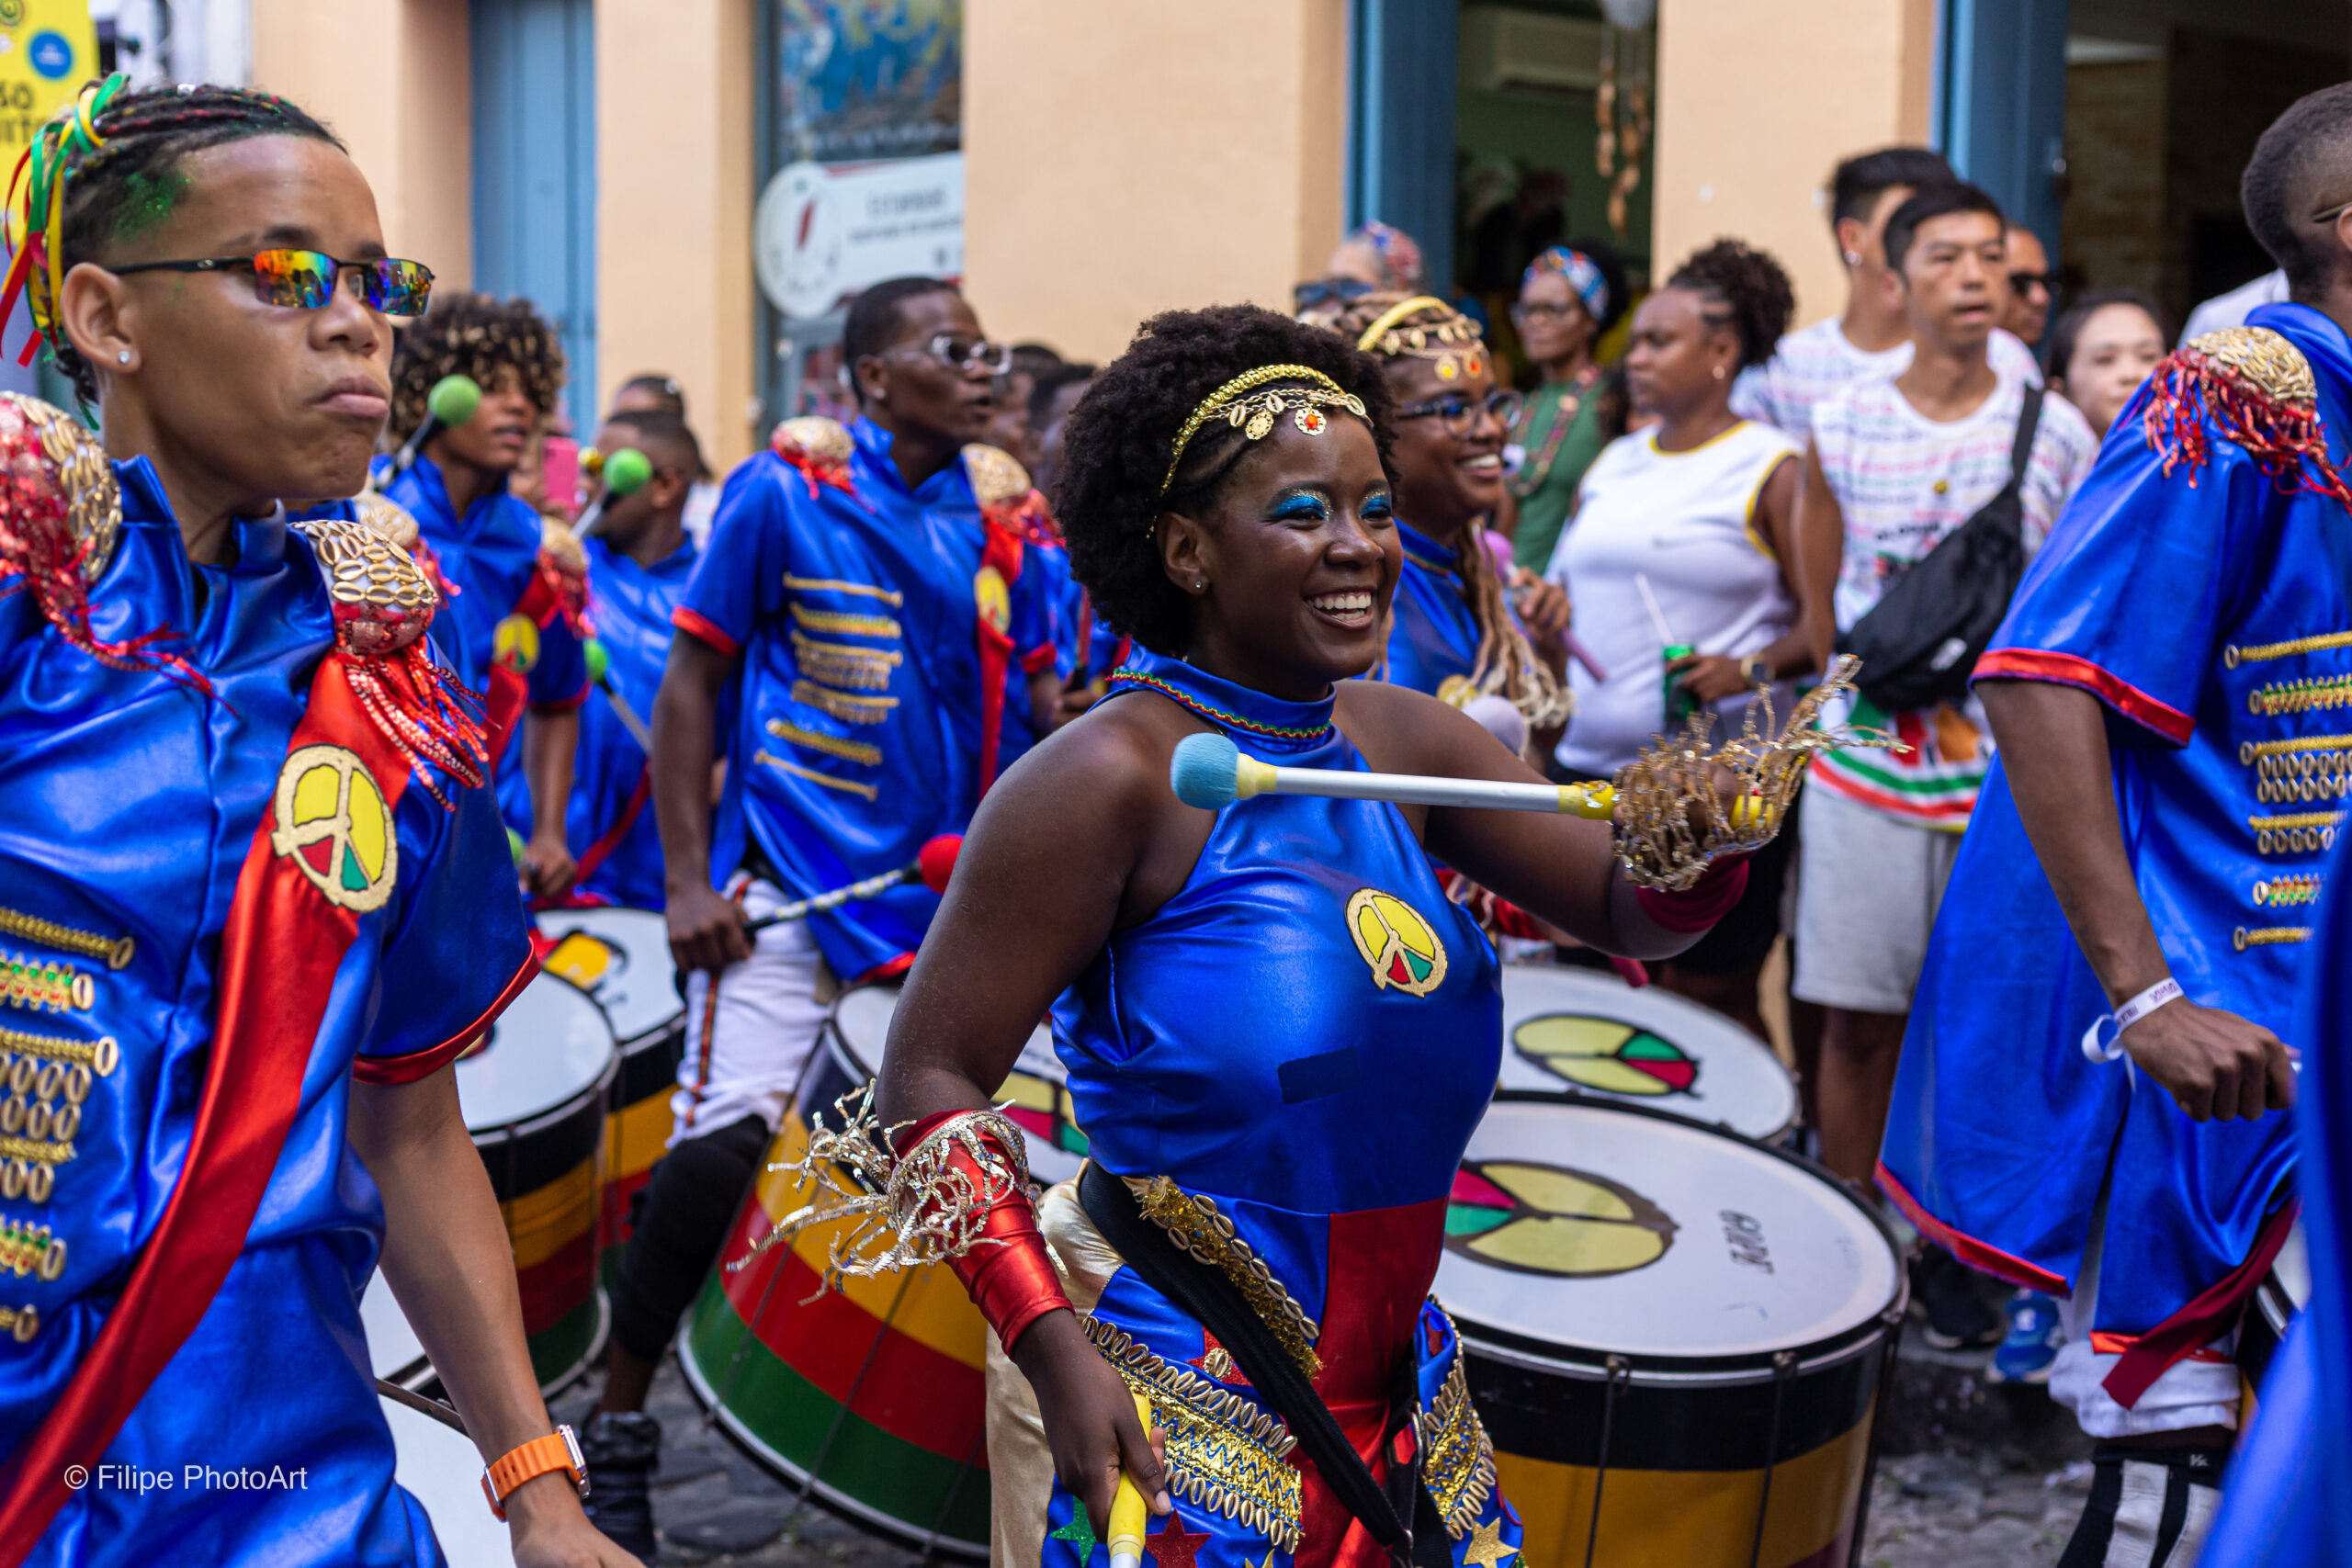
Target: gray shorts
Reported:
point(1868, 884)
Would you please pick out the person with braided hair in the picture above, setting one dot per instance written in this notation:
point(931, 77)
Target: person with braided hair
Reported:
point(1454, 632)
point(1692, 522)
point(252, 884)
point(518, 629)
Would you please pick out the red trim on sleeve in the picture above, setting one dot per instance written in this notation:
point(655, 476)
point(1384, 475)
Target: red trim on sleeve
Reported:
point(564, 705)
point(424, 1063)
point(1968, 1249)
point(888, 969)
point(701, 628)
point(1037, 658)
point(2066, 669)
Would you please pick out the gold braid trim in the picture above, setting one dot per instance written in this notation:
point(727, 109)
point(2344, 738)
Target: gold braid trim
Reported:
point(2234, 656)
point(1201, 1230)
point(1671, 824)
point(116, 950)
point(830, 745)
point(2289, 889)
point(2300, 696)
point(910, 1212)
point(845, 664)
point(2268, 936)
point(2300, 819)
point(101, 1055)
point(1457, 1457)
point(2248, 750)
point(1224, 1452)
point(847, 706)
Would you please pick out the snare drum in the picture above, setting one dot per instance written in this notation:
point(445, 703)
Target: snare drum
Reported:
point(1677, 1332)
point(621, 957)
point(1577, 1032)
point(440, 1467)
point(872, 1397)
point(534, 1100)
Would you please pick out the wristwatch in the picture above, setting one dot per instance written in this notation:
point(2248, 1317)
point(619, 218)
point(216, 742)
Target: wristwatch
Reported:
point(1755, 670)
point(559, 1449)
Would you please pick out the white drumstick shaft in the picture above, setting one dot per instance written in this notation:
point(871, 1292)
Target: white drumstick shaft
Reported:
point(1408, 789)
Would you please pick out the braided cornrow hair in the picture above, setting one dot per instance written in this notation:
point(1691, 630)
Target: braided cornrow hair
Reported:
point(1504, 664)
point(475, 335)
point(1746, 291)
point(106, 170)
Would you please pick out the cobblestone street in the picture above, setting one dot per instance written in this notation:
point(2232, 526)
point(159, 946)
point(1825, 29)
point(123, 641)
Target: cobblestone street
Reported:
point(1974, 1476)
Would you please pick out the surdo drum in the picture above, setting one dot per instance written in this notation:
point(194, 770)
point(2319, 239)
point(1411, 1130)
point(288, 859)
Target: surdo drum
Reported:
point(533, 1095)
point(1579, 1032)
point(874, 1396)
point(621, 958)
point(1677, 1337)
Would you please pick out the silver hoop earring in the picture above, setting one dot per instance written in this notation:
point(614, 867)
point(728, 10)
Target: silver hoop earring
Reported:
point(122, 356)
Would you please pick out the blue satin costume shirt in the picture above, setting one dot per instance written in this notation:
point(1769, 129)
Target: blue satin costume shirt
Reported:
point(489, 555)
point(633, 607)
point(133, 802)
point(857, 733)
point(2178, 604)
point(1309, 1031)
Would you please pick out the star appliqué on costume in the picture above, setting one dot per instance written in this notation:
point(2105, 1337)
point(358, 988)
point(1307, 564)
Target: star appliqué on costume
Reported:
point(1175, 1547)
point(1079, 1532)
point(1487, 1546)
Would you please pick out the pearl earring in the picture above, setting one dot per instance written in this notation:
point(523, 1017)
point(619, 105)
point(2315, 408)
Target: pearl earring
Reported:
point(122, 356)
point(1719, 372)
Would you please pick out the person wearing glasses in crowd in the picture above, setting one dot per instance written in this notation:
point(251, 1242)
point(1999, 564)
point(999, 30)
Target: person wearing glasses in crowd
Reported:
point(1453, 631)
point(2026, 315)
point(1693, 522)
point(2102, 348)
point(1567, 300)
point(638, 560)
point(516, 626)
point(850, 597)
point(251, 872)
point(661, 393)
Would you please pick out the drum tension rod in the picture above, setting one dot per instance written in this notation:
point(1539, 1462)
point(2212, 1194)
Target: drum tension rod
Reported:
point(1784, 1365)
point(1621, 1374)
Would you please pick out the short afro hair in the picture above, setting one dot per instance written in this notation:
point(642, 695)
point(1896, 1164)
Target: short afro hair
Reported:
point(1116, 446)
point(1748, 290)
point(2302, 166)
point(472, 334)
point(874, 320)
point(1929, 203)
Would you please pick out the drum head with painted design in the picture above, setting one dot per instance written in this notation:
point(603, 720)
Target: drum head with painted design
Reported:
point(547, 1049)
point(1604, 1232)
point(1035, 1095)
point(621, 957)
point(1575, 1031)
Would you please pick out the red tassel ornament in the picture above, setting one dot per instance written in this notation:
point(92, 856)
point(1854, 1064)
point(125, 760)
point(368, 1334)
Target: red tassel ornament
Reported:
point(2257, 390)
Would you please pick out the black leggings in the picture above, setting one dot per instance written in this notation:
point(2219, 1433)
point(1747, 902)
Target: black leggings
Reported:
point(689, 1201)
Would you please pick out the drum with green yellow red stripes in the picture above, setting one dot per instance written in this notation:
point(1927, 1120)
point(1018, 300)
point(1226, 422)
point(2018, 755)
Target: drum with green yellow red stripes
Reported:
point(872, 1396)
point(533, 1093)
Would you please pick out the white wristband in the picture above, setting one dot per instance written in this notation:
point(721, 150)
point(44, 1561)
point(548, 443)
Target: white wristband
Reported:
point(2108, 1049)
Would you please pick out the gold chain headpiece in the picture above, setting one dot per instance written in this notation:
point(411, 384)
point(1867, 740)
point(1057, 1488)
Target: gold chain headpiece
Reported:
point(1455, 342)
point(1240, 404)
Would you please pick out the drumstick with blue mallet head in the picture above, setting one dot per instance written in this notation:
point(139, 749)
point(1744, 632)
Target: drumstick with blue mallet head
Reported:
point(933, 864)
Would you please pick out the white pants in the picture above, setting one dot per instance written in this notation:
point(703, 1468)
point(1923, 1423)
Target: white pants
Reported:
point(2201, 1391)
point(749, 1036)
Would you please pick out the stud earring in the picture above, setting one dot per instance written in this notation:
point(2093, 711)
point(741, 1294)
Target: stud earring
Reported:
point(122, 356)
point(1719, 372)
point(1200, 584)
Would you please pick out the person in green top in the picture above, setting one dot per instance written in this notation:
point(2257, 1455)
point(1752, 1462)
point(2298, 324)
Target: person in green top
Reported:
point(1567, 299)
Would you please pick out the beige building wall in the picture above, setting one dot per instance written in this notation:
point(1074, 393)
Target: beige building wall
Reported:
point(391, 77)
point(1758, 100)
point(673, 225)
point(1122, 160)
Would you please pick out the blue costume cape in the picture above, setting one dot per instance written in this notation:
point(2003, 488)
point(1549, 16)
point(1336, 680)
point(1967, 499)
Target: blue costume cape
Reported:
point(2180, 601)
point(858, 732)
point(1307, 1033)
point(633, 607)
point(489, 557)
point(1432, 636)
point(132, 803)
point(2287, 1500)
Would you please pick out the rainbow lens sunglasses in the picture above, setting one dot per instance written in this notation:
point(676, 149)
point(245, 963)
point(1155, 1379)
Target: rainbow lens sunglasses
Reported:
point(305, 280)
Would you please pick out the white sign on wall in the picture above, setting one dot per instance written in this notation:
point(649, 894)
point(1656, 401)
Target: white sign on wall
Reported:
point(822, 231)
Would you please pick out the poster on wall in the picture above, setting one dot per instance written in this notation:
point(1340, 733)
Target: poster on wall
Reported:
point(48, 48)
point(858, 80)
point(824, 232)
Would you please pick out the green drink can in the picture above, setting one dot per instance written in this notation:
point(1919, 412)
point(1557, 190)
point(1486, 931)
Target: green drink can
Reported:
point(1678, 706)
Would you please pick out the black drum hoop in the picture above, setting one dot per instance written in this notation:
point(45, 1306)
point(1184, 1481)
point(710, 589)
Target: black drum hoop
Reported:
point(1745, 1369)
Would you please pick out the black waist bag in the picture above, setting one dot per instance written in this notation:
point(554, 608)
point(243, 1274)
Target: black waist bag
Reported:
point(1920, 641)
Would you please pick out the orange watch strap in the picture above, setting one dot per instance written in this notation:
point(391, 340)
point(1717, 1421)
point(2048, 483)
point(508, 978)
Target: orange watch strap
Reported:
point(527, 1462)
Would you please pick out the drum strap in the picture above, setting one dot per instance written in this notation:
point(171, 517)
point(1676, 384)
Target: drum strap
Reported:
point(1202, 1291)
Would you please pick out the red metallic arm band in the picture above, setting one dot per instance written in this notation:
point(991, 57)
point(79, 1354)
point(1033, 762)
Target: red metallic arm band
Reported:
point(1010, 1276)
point(1700, 905)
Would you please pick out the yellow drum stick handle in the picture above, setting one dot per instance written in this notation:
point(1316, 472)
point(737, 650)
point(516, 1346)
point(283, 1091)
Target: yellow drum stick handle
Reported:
point(1129, 1513)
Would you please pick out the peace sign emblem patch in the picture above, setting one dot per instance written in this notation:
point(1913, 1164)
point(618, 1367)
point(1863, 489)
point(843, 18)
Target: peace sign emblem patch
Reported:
point(333, 822)
point(1391, 936)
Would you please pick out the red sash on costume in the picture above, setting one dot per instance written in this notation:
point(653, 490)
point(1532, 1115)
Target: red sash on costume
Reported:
point(1001, 560)
point(279, 953)
point(601, 851)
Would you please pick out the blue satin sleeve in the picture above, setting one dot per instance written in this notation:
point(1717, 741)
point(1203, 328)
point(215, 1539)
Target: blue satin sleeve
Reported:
point(2136, 544)
point(560, 680)
point(1035, 599)
point(460, 937)
point(739, 581)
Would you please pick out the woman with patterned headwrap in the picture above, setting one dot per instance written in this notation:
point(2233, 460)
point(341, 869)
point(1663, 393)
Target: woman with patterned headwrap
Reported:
point(1452, 632)
point(1567, 300)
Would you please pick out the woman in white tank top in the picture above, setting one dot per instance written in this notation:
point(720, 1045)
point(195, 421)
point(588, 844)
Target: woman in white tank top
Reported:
point(1683, 535)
